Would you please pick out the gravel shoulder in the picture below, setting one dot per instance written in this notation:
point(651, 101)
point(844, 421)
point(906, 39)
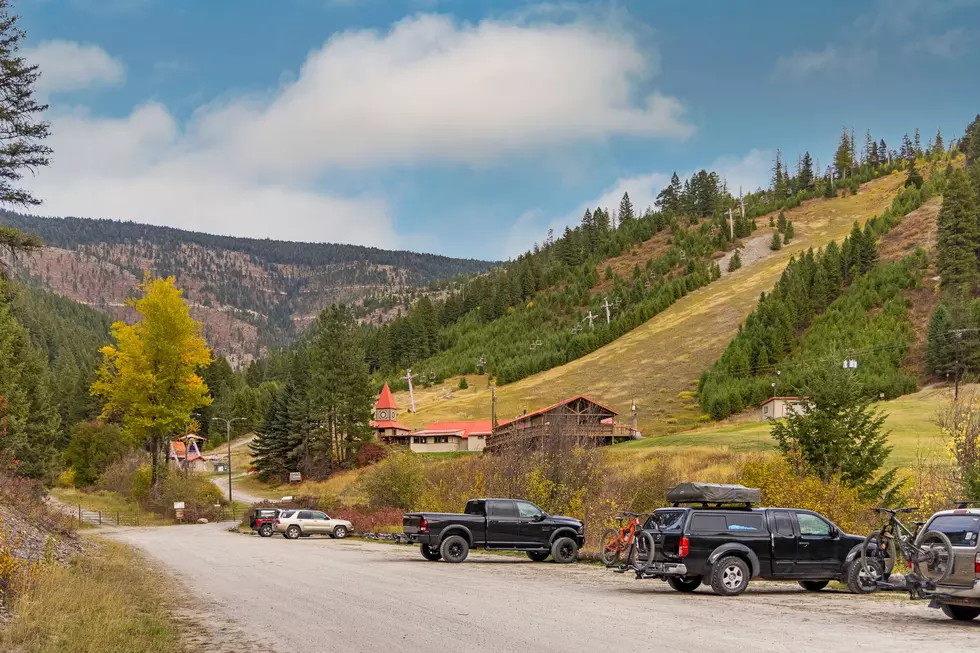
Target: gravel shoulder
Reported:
point(314, 594)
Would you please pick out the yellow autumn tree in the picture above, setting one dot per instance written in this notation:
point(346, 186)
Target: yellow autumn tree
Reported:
point(149, 379)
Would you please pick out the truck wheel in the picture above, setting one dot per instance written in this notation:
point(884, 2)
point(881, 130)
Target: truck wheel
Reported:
point(729, 576)
point(293, 532)
point(429, 553)
point(685, 583)
point(265, 530)
point(454, 549)
point(564, 550)
point(537, 556)
point(859, 582)
point(340, 532)
point(960, 612)
point(814, 585)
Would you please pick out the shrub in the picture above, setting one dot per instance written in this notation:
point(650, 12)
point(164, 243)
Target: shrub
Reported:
point(123, 475)
point(463, 385)
point(66, 478)
point(92, 448)
point(370, 453)
point(200, 496)
point(396, 482)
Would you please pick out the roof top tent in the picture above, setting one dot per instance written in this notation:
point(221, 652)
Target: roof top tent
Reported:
point(713, 494)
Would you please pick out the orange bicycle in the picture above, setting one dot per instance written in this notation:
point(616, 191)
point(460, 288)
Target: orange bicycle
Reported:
point(617, 541)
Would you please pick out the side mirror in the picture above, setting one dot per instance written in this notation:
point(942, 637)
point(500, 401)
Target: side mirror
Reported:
point(538, 517)
point(834, 532)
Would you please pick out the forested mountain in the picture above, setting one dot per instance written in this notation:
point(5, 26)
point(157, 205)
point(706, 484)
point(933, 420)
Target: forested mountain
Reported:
point(249, 294)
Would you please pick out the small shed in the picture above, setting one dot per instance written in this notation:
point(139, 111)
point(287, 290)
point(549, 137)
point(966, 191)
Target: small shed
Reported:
point(780, 407)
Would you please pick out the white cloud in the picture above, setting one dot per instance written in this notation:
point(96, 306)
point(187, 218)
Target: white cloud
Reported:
point(427, 91)
point(832, 59)
point(951, 44)
point(750, 172)
point(68, 66)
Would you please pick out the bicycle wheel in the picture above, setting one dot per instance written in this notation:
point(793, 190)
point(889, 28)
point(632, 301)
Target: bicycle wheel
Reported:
point(877, 559)
point(641, 552)
point(934, 557)
point(610, 547)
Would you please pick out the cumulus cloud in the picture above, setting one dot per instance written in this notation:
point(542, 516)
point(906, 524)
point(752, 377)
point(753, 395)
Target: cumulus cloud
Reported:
point(427, 91)
point(68, 66)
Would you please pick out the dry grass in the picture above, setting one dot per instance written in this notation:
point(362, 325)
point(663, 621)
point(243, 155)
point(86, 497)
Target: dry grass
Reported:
point(340, 486)
point(662, 358)
point(106, 602)
point(109, 503)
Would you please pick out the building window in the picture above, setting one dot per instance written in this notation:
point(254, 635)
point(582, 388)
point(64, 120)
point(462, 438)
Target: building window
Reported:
point(442, 439)
point(418, 440)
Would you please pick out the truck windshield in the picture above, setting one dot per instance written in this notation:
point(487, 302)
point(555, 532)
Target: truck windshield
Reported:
point(962, 530)
point(474, 508)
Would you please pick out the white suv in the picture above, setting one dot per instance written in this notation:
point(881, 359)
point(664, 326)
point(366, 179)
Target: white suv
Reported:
point(294, 524)
point(959, 595)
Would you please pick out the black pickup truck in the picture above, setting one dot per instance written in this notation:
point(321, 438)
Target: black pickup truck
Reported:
point(499, 524)
point(724, 544)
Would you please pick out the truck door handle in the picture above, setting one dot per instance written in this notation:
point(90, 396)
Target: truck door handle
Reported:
point(804, 544)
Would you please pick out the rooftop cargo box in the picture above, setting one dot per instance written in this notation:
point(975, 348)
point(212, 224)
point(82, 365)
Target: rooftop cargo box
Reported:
point(713, 493)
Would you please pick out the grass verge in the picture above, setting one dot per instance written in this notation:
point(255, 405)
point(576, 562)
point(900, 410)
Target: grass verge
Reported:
point(105, 602)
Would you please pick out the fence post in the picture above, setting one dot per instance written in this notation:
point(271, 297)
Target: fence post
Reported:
point(137, 514)
point(117, 518)
point(79, 515)
point(100, 518)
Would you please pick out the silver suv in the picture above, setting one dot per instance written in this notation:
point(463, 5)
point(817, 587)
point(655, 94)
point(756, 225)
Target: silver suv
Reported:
point(959, 595)
point(294, 524)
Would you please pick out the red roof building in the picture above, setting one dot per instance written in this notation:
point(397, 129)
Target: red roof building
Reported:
point(386, 424)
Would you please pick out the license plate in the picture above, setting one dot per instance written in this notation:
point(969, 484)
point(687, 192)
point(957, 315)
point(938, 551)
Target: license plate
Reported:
point(657, 566)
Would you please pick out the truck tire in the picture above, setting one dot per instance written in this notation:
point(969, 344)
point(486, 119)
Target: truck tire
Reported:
point(454, 549)
point(293, 533)
point(564, 550)
point(814, 585)
point(960, 612)
point(430, 553)
point(685, 583)
point(339, 533)
point(857, 580)
point(265, 530)
point(538, 556)
point(729, 576)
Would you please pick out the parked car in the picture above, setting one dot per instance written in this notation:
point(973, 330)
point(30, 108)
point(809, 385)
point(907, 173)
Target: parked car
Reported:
point(495, 524)
point(294, 524)
point(263, 520)
point(958, 596)
point(723, 541)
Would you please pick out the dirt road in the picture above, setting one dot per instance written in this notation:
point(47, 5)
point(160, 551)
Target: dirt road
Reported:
point(320, 594)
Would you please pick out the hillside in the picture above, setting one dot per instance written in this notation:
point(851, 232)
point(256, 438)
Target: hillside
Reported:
point(658, 363)
point(250, 294)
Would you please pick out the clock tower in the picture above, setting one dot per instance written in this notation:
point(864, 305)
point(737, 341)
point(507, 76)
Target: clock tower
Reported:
point(385, 410)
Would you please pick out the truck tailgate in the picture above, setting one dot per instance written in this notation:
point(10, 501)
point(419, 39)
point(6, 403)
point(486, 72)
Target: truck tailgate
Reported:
point(410, 523)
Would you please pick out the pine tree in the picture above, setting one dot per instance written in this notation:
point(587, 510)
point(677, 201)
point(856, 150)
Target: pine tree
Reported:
point(781, 222)
point(735, 262)
point(843, 160)
point(625, 210)
point(789, 233)
point(917, 144)
point(805, 177)
point(883, 157)
point(776, 243)
point(869, 148)
point(914, 177)
point(777, 174)
point(669, 199)
point(938, 146)
point(940, 355)
point(958, 234)
point(21, 133)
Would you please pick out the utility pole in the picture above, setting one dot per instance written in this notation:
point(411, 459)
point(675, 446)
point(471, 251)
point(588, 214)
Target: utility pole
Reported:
point(228, 437)
point(590, 317)
point(741, 201)
point(731, 225)
point(411, 391)
point(493, 409)
point(606, 305)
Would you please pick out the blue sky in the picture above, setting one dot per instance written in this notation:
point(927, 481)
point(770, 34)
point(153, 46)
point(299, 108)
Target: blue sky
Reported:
point(465, 127)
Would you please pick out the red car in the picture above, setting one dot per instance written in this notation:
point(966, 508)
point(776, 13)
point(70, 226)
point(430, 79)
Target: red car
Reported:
point(263, 520)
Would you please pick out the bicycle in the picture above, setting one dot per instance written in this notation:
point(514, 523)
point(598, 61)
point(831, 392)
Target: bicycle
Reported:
point(930, 556)
point(616, 541)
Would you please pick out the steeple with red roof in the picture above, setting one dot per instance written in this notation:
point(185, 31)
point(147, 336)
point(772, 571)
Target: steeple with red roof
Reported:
point(386, 416)
point(386, 401)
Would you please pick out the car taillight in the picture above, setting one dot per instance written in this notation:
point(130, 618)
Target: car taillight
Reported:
point(685, 546)
point(423, 526)
point(976, 565)
point(277, 522)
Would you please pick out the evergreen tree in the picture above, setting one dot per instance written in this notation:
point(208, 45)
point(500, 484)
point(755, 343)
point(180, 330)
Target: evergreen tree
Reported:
point(781, 222)
point(839, 434)
point(625, 210)
point(776, 243)
point(735, 262)
point(778, 180)
point(669, 199)
point(938, 146)
point(21, 132)
point(883, 157)
point(914, 177)
point(908, 149)
point(940, 354)
point(870, 147)
point(917, 144)
point(804, 178)
point(843, 159)
point(789, 233)
point(959, 235)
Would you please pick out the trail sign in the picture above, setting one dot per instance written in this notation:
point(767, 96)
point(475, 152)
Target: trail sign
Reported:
point(295, 477)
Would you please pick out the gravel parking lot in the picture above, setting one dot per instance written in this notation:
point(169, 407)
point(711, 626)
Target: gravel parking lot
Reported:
point(316, 594)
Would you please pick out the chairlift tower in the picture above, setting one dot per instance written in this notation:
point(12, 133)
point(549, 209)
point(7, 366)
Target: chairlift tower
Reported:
point(591, 318)
point(606, 305)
